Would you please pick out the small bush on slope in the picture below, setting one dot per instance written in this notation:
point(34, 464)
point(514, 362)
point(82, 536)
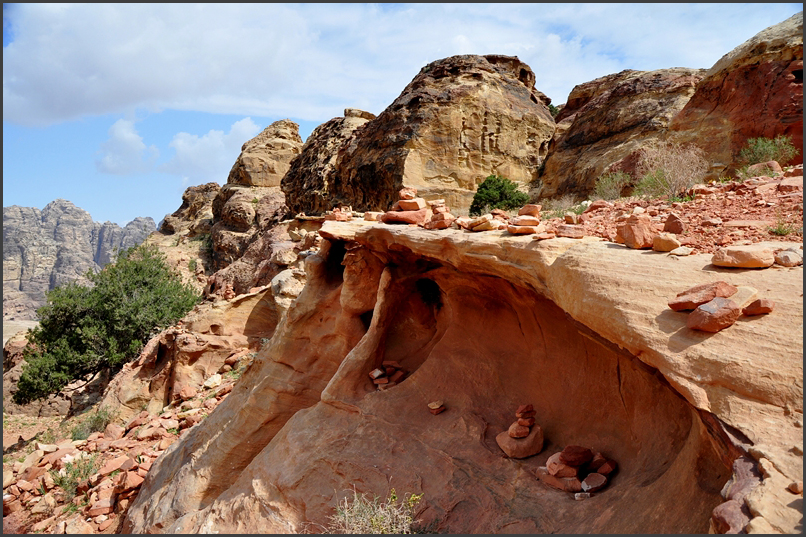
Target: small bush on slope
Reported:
point(83, 330)
point(497, 193)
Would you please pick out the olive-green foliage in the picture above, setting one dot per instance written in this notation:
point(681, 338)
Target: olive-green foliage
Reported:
point(670, 169)
point(497, 192)
point(553, 110)
point(74, 473)
point(779, 149)
point(365, 516)
point(85, 329)
point(95, 422)
point(609, 185)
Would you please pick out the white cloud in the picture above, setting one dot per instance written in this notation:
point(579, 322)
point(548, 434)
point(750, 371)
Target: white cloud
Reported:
point(310, 61)
point(202, 159)
point(124, 153)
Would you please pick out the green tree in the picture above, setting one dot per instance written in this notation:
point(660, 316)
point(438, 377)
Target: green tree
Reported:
point(85, 329)
point(497, 192)
point(758, 150)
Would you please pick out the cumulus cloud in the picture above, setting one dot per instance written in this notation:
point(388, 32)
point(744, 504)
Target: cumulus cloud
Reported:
point(125, 153)
point(202, 159)
point(310, 61)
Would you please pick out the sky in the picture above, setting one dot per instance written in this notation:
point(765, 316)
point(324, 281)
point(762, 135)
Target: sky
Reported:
point(120, 107)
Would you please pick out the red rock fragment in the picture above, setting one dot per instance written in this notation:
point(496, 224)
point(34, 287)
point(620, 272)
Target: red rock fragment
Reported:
point(559, 469)
point(575, 455)
point(522, 409)
point(700, 294)
point(674, 224)
point(594, 482)
point(566, 484)
point(528, 422)
point(520, 448)
point(607, 468)
point(714, 316)
point(518, 431)
point(759, 307)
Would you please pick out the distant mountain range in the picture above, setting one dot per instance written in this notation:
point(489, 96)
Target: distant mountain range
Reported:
point(46, 248)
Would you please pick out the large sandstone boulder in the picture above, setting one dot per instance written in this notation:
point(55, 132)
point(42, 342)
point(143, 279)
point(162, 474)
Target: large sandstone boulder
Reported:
point(196, 212)
point(606, 121)
point(59, 244)
point(754, 90)
point(266, 158)
point(483, 324)
point(308, 183)
point(458, 121)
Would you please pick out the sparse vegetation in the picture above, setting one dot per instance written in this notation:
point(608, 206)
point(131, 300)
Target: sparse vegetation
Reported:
point(609, 185)
point(497, 192)
point(192, 265)
point(73, 473)
point(556, 208)
point(670, 169)
point(553, 110)
point(84, 330)
point(94, 422)
point(758, 150)
point(361, 515)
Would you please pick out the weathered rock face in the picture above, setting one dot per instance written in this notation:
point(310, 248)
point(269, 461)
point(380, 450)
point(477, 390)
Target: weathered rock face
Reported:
point(60, 243)
point(265, 159)
point(309, 180)
point(458, 121)
point(485, 322)
point(606, 121)
point(196, 212)
point(185, 356)
point(754, 90)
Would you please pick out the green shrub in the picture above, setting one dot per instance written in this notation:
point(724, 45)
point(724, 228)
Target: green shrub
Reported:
point(553, 110)
point(95, 422)
point(83, 330)
point(757, 150)
point(373, 517)
point(669, 169)
point(192, 265)
point(73, 473)
point(609, 185)
point(497, 193)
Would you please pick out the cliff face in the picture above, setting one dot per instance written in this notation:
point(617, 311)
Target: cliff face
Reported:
point(458, 121)
point(60, 243)
point(755, 90)
point(486, 322)
point(607, 120)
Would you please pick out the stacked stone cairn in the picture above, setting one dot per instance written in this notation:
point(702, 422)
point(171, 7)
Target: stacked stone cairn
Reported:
point(717, 305)
point(496, 219)
point(409, 209)
point(436, 407)
point(524, 437)
point(527, 222)
point(389, 374)
point(340, 214)
point(441, 218)
point(577, 469)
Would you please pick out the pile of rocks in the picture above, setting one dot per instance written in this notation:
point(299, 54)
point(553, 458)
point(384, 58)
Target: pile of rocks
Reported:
point(527, 222)
point(524, 437)
point(122, 455)
point(486, 222)
point(340, 214)
point(717, 305)
point(441, 217)
point(577, 469)
point(389, 374)
point(409, 209)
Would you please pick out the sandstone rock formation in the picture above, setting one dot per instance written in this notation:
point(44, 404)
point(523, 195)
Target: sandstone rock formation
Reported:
point(60, 243)
point(265, 159)
point(458, 121)
point(485, 321)
point(309, 181)
point(196, 212)
point(606, 121)
point(754, 90)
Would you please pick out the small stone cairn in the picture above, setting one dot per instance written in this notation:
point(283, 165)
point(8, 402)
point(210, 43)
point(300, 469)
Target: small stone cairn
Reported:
point(409, 209)
point(717, 305)
point(524, 437)
point(441, 217)
point(389, 374)
point(577, 469)
point(340, 214)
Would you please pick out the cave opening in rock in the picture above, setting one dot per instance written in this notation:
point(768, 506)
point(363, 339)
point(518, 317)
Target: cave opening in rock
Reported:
point(798, 74)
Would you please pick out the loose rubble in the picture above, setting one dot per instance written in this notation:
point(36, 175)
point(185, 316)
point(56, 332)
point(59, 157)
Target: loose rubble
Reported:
point(577, 469)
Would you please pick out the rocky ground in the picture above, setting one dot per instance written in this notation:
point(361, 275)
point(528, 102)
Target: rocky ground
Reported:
point(37, 449)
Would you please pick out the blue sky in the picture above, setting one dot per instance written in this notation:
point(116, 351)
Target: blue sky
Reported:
point(120, 107)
